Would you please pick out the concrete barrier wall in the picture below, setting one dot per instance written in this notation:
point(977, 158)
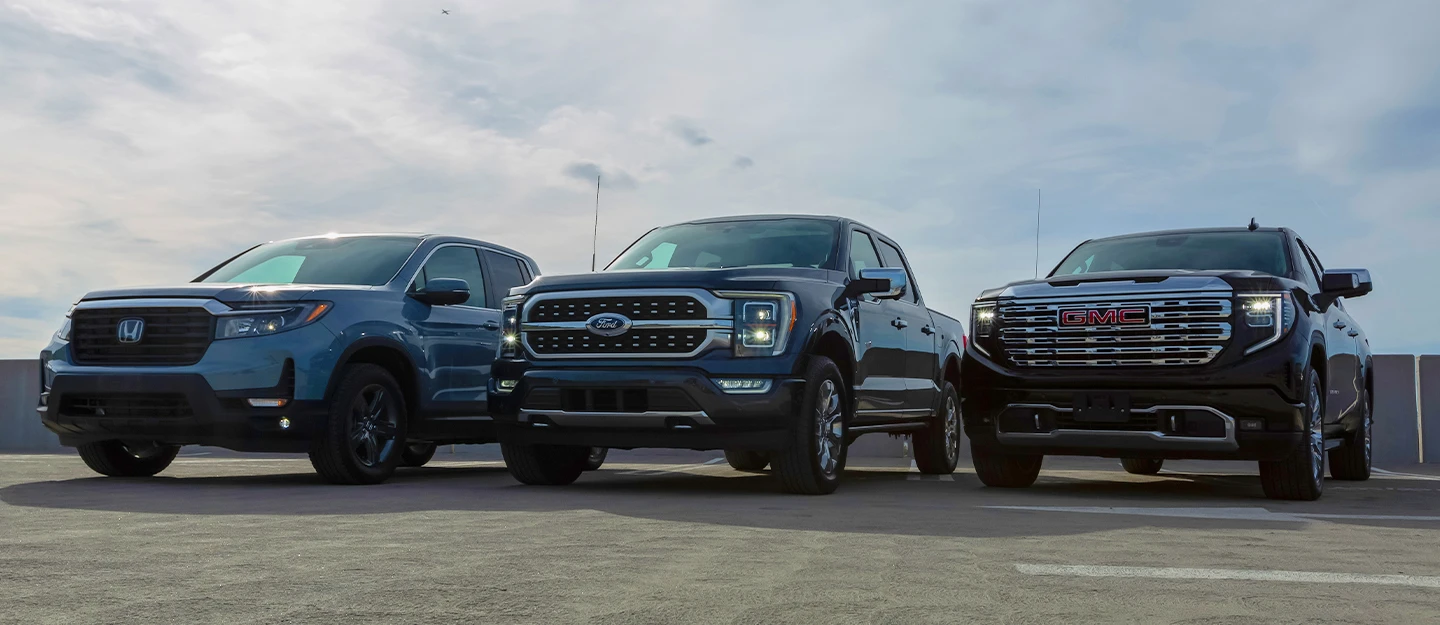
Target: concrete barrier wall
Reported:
point(1399, 434)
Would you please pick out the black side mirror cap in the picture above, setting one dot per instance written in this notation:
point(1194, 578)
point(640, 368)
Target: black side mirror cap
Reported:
point(1346, 282)
point(861, 286)
point(443, 292)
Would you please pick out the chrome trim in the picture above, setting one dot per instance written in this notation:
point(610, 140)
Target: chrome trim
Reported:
point(477, 248)
point(715, 307)
point(214, 307)
point(659, 324)
point(612, 419)
point(719, 323)
point(893, 412)
point(1173, 336)
point(1222, 443)
point(782, 330)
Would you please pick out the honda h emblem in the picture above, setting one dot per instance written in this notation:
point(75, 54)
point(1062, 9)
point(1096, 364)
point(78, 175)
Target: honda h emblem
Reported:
point(130, 330)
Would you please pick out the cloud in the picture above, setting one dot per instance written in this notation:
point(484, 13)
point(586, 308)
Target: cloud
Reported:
point(146, 141)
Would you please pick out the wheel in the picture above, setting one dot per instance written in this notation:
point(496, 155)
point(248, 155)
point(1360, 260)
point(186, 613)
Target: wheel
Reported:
point(741, 460)
point(1142, 466)
point(1351, 461)
point(937, 448)
point(812, 462)
point(1301, 475)
point(133, 459)
point(364, 433)
point(1003, 469)
point(596, 458)
point(417, 454)
point(545, 465)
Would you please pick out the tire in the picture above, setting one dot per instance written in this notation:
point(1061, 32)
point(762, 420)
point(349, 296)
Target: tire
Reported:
point(937, 448)
point(741, 460)
point(1300, 476)
point(545, 465)
point(596, 458)
point(364, 435)
point(1001, 469)
point(1142, 466)
point(417, 454)
point(121, 459)
point(1351, 461)
point(815, 456)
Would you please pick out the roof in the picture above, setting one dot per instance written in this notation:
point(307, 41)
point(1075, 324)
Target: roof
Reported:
point(765, 217)
point(444, 238)
point(1155, 233)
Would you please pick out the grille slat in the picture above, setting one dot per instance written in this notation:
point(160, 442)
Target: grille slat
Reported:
point(632, 342)
point(172, 336)
point(1181, 331)
point(128, 405)
point(639, 308)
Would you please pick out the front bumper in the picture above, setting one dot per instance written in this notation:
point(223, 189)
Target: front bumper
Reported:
point(629, 407)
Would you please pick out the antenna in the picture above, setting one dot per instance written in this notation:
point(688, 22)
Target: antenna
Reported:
point(1254, 224)
point(595, 234)
point(1037, 233)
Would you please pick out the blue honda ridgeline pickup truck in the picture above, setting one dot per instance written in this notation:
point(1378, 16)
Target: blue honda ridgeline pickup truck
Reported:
point(778, 339)
point(365, 351)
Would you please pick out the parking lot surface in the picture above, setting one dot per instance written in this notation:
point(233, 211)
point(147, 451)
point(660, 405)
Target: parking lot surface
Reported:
point(682, 538)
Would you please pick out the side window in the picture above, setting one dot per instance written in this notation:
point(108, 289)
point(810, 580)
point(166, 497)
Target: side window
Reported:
point(862, 253)
point(505, 273)
point(455, 261)
point(1312, 268)
point(891, 256)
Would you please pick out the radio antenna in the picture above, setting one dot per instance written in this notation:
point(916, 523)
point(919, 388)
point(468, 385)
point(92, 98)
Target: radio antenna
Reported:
point(1037, 233)
point(595, 234)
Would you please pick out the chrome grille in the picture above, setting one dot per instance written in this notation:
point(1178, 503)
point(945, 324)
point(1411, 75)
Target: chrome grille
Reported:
point(639, 308)
point(632, 342)
point(1182, 330)
point(664, 323)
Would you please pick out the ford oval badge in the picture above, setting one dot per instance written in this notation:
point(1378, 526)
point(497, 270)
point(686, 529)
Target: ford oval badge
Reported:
point(608, 324)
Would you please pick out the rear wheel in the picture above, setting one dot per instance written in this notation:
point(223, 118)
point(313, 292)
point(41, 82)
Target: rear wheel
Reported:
point(741, 460)
point(1141, 466)
point(417, 454)
point(1003, 469)
point(937, 447)
point(132, 459)
point(596, 458)
point(1301, 475)
point(364, 434)
point(545, 465)
point(1351, 461)
point(811, 464)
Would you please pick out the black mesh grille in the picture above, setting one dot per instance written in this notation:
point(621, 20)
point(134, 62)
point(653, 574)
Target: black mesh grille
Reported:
point(609, 400)
point(582, 342)
point(646, 308)
point(121, 405)
point(171, 336)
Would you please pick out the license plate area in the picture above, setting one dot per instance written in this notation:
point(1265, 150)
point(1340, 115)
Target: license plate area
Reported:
point(1101, 407)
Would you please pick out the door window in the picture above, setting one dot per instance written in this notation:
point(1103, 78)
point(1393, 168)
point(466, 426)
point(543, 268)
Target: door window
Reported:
point(862, 253)
point(890, 255)
point(455, 261)
point(506, 273)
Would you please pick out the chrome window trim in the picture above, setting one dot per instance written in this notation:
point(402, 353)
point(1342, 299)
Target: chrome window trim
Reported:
point(415, 274)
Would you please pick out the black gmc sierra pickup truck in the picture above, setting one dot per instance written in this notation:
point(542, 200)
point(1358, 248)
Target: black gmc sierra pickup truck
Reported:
point(1213, 344)
point(778, 339)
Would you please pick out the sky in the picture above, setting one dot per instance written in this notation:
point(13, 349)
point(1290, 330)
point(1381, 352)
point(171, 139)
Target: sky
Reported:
point(142, 142)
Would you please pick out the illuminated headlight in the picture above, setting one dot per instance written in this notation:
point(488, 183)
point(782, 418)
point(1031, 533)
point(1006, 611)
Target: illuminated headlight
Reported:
point(1272, 314)
point(982, 319)
point(269, 319)
point(510, 326)
point(763, 322)
point(743, 385)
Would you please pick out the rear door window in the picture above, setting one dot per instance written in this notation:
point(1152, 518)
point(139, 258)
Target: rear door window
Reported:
point(891, 256)
point(862, 253)
point(506, 273)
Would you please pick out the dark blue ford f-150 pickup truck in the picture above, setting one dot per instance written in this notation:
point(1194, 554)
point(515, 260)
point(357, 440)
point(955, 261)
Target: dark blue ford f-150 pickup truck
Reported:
point(778, 339)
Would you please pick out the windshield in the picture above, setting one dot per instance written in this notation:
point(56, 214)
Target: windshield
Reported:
point(344, 260)
point(751, 243)
point(1198, 251)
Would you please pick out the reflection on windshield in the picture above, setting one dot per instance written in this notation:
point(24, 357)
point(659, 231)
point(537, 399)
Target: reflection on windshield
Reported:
point(1199, 251)
point(752, 243)
point(342, 260)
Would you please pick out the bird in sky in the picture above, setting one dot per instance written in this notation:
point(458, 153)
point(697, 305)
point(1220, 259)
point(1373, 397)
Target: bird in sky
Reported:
point(445, 11)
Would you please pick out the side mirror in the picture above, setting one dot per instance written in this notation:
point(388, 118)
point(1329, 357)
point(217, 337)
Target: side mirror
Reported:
point(882, 282)
point(1346, 282)
point(443, 292)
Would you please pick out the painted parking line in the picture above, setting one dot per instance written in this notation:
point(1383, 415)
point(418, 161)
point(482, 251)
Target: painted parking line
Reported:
point(1311, 577)
point(1230, 514)
point(920, 477)
point(1407, 476)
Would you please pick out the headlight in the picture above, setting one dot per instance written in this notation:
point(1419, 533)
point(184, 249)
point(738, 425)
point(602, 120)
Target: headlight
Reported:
point(982, 319)
point(63, 334)
point(268, 319)
point(763, 322)
point(1273, 314)
point(510, 326)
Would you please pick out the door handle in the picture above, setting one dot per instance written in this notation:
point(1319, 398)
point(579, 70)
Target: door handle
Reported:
point(927, 330)
point(1339, 325)
point(490, 325)
point(900, 324)
point(1353, 333)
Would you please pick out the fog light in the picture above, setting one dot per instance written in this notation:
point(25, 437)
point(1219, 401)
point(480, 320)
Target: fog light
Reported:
point(1252, 425)
point(261, 402)
point(742, 385)
point(509, 384)
point(284, 423)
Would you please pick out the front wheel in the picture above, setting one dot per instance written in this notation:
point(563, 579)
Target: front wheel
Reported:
point(364, 433)
point(1142, 466)
point(121, 459)
point(1003, 469)
point(937, 447)
point(811, 464)
point(1301, 475)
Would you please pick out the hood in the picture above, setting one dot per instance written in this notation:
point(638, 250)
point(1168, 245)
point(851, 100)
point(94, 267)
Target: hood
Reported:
point(1145, 281)
point(229, 293)
point(742, 278)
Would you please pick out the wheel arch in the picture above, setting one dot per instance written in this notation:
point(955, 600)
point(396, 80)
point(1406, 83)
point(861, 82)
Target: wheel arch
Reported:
point(390, 355)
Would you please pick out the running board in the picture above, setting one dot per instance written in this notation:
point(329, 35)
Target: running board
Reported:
point(887, 427)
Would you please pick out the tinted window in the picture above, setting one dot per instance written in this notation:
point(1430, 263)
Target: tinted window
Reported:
point(369, 261)
point(1312, 270)
point(750, 243)
point(862, 253)
point(455, 261)
point(890, 255)
point(1197, 251)
point(506, 272)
